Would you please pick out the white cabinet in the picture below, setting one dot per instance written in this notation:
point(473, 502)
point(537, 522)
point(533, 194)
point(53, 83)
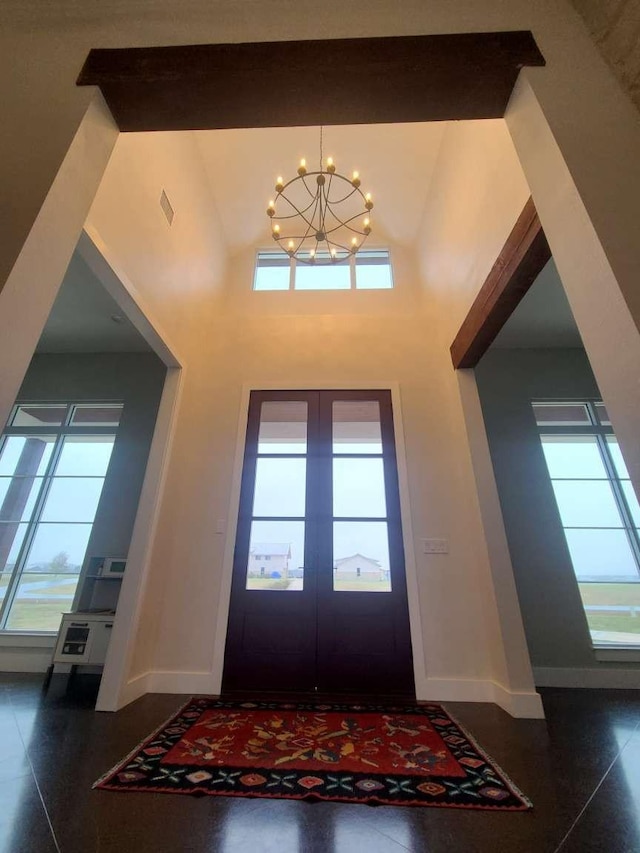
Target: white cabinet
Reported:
point(84, 638)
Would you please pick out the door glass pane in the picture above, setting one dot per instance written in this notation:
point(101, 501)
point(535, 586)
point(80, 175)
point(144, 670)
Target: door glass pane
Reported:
point(601, 555)
point(108, 414)
point(616, 455)
point(85, 456)
point(358, 488)
point(586, 503)
point(283, 427)
point(17, 497)
point(573, 456)
point(37, 416)
point(356, 427)
point(72, 499)
point(276, 555)
point(361, 556)
point(25, 456)
point(40, 600)
point(280, 487)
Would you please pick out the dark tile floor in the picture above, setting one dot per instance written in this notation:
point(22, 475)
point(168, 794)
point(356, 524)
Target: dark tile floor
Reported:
point(581, 768)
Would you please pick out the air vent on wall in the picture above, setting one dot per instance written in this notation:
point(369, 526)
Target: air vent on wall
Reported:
point(165, 204)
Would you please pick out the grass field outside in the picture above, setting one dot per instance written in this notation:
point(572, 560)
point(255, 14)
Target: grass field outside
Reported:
point(361, 586)
point(41, 599)
point(612, 595)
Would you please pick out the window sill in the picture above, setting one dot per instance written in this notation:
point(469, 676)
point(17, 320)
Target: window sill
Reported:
point(24, 640)
point(619, 654)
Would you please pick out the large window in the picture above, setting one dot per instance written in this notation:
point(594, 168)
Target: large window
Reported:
point(53, 463)
point(599, 512)
point(368, 270)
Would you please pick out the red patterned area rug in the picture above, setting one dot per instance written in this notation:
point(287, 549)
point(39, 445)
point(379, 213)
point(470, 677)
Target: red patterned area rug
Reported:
point(413, 755)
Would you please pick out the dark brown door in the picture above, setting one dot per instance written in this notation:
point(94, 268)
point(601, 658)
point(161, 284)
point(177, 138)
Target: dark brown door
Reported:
point(318, 599)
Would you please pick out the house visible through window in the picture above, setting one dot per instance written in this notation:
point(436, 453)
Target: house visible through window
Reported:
point(53, 463)
point(599, 512)
point(370, 269)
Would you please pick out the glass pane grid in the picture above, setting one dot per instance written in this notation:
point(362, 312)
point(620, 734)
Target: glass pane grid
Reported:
point(47, 546)
point(372, 271)
point(276, 555)
point(561, 414)
point(37, 415)
point(361, 556)
point(604, 552)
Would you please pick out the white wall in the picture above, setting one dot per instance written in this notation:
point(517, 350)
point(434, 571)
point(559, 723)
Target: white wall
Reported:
point(177, 272)
point(478, 191)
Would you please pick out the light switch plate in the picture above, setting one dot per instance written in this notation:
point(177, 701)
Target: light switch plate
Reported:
point(435, 546)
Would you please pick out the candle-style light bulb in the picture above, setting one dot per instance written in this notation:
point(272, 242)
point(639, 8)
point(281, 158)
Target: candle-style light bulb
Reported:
point(330, 165)
point(271, 208)
point(355, 179)
point(354, 244)
point(279, 184)
point(291, 247)
point(368, 203)
point(366, 225)
point(276, 232)
point(333, 254)
point(302, 168)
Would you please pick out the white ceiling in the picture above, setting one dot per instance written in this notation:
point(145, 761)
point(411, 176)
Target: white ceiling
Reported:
point(543, 318)
point(81, 318)
point(395, 161)
point(396, 164)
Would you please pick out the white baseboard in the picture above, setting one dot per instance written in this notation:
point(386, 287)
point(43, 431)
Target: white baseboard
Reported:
point(168, 681)
point(527, 704)
point(518, 704)
point(611, 678)
point(25, 659)
point(132, 690)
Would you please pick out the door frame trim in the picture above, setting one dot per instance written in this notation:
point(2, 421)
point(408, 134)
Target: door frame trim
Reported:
point(415, 618)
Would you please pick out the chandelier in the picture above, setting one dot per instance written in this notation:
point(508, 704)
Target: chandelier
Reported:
point(320, 216)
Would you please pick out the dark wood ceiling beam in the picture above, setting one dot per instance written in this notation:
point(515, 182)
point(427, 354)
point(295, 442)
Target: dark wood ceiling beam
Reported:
point(289, 83)
point(518, 265)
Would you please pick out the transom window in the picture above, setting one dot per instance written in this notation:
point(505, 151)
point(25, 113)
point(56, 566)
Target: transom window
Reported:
point(53, 463)
point(368, 270)
point(599, 512)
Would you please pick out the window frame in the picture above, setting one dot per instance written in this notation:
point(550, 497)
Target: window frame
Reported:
point(600, 429)
point(58, 433)
point(279, 259)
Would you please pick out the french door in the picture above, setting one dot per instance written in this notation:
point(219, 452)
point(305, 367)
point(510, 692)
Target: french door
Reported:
point(319, 599)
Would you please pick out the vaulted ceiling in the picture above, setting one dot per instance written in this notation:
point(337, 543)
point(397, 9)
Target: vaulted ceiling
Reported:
point(395, 161)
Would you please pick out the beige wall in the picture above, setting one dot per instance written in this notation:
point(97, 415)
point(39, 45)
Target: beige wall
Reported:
point(229, 336)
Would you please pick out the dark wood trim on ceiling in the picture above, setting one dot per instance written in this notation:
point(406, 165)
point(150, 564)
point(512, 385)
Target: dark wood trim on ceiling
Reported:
point(518, 265)
point(292, 83)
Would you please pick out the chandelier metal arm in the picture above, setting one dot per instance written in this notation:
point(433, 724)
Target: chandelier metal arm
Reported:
point(322, 219)
point(345, 223)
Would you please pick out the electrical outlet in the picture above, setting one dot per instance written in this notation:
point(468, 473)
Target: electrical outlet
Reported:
point(435, 546)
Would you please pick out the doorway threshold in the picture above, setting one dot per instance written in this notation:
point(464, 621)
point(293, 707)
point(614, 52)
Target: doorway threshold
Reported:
point(329, 698)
